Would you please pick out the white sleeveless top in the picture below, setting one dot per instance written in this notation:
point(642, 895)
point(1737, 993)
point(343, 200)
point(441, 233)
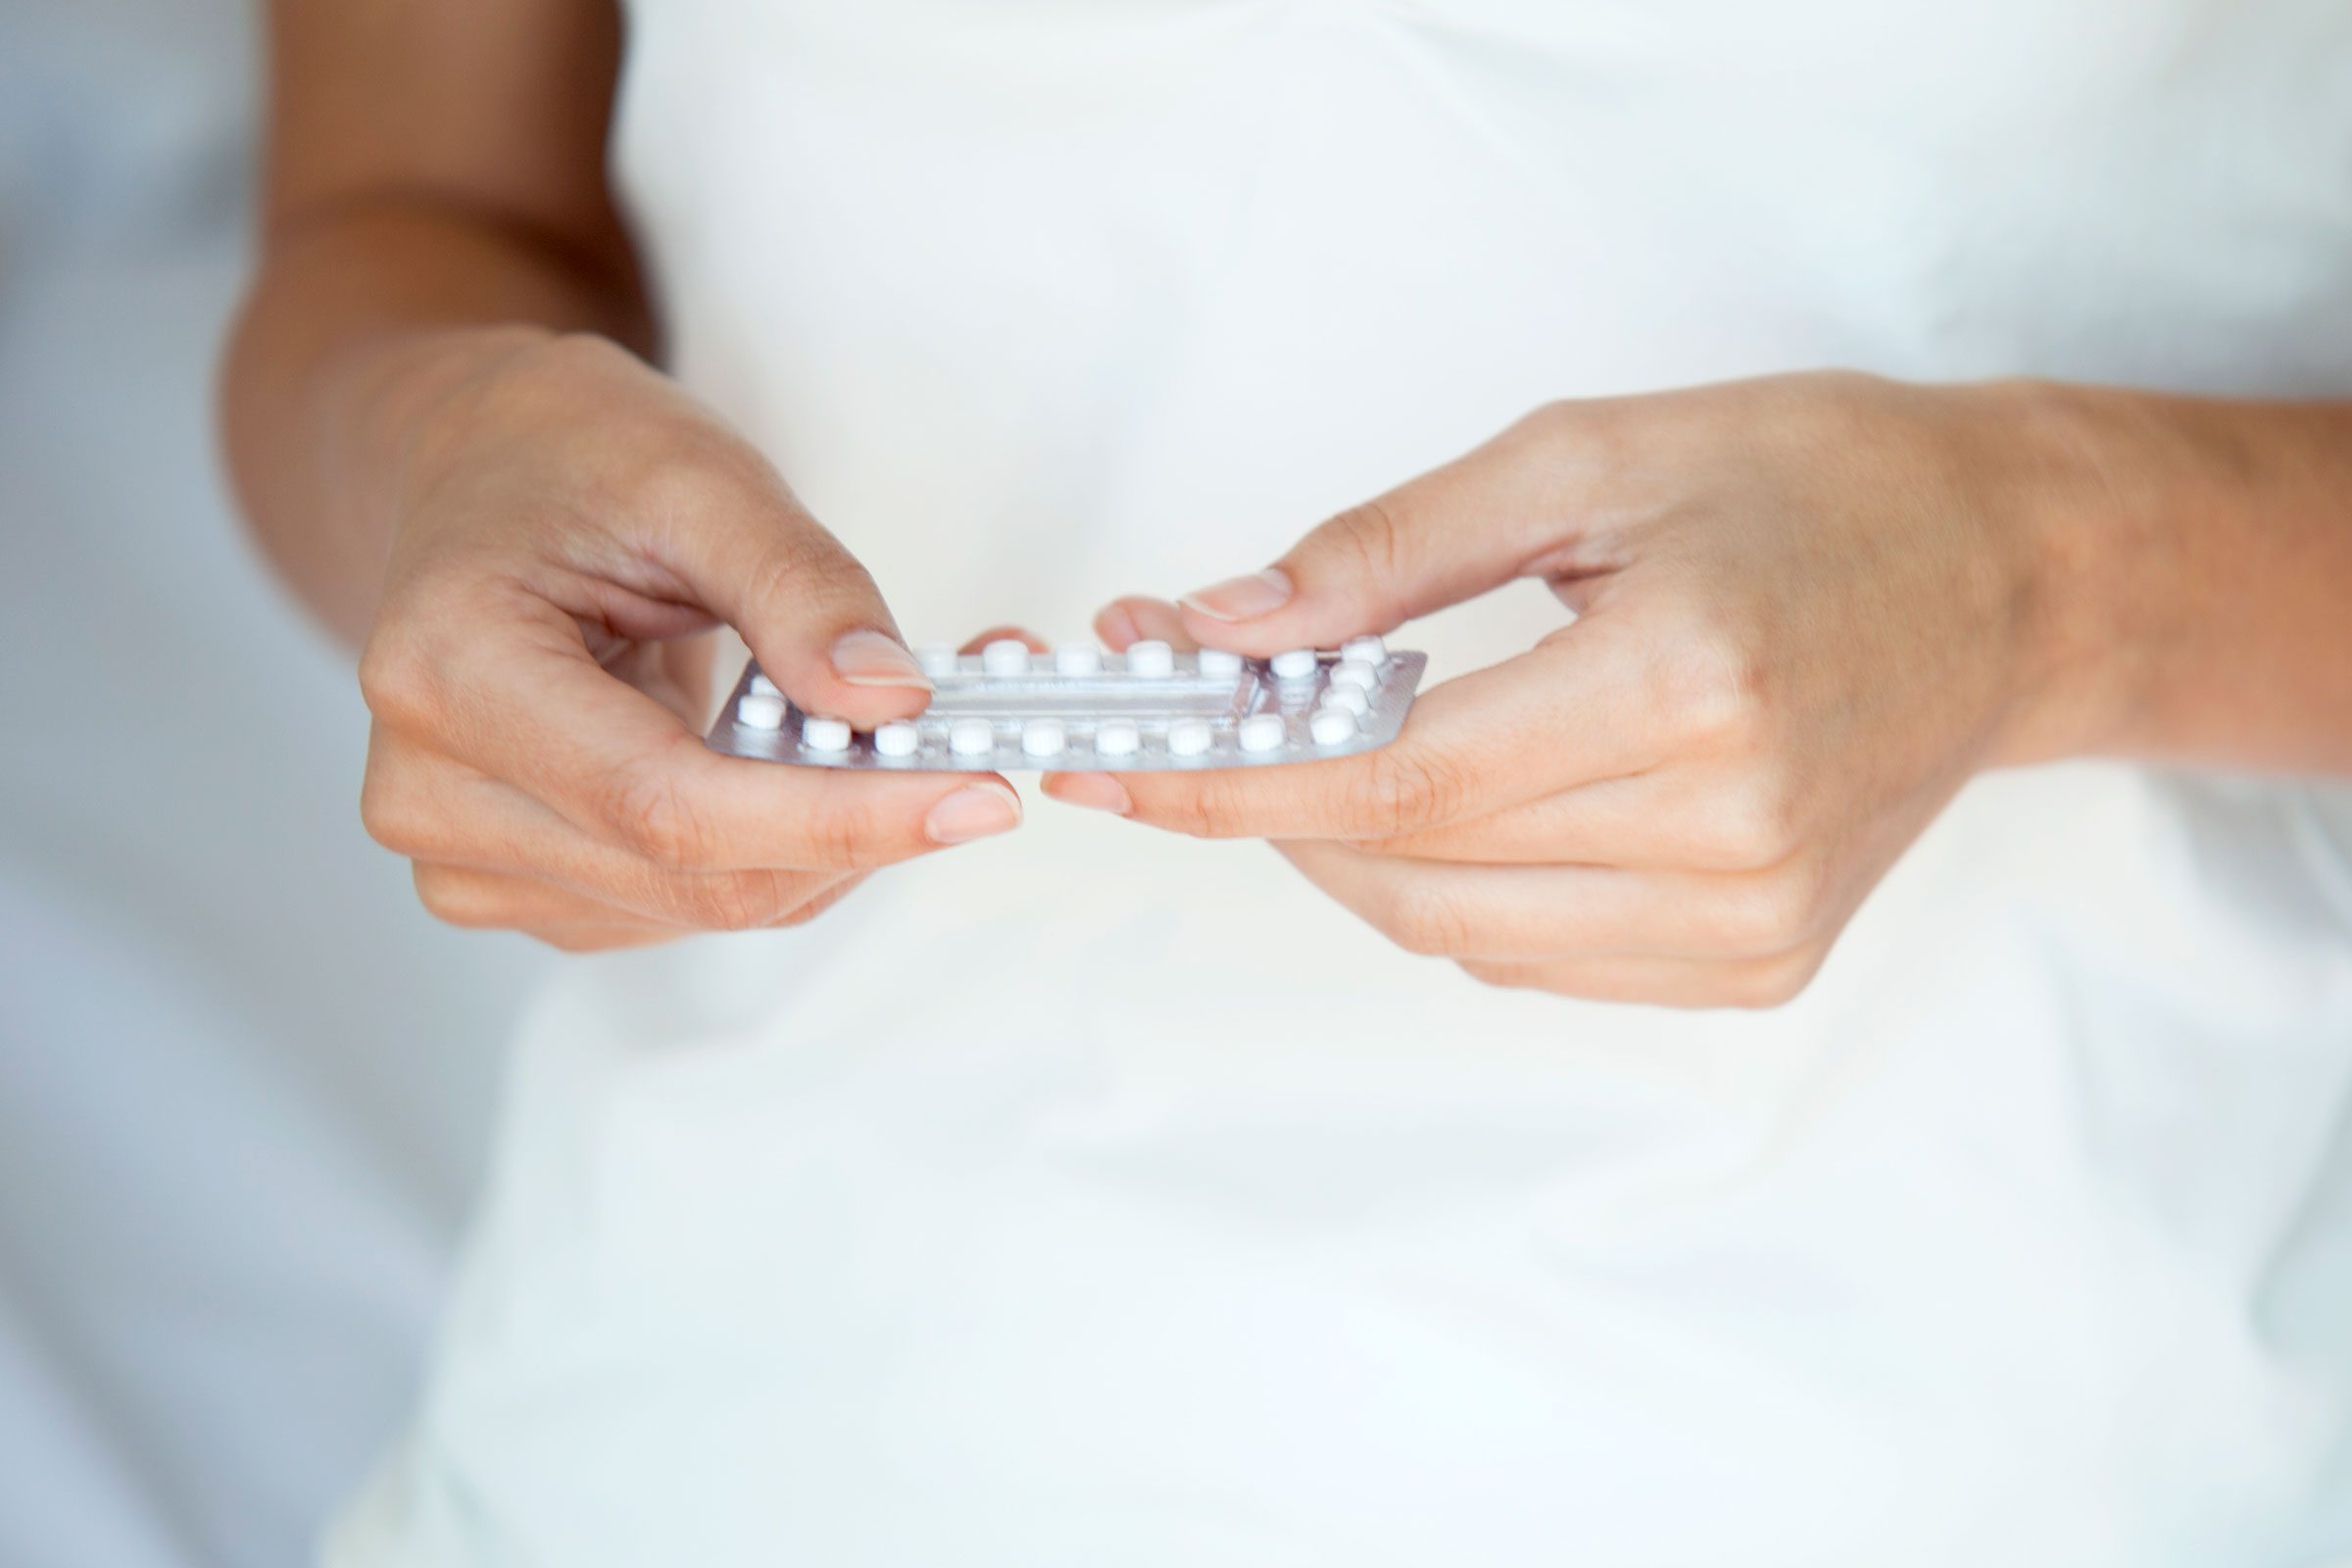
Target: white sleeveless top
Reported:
point(1092, 1196)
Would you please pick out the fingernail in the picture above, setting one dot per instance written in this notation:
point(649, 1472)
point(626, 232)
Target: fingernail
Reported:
point(1117, 627)
point(973, 811)
point(1241, 598)
point(877, 659)
point(1100, 790)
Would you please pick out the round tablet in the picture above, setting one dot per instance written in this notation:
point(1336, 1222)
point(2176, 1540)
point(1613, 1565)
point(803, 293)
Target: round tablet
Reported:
point(824, 735)
point(897, 738)
point(1189, 737)
point(1332, 726)
point(1355, 673)
point(1294, 663)
point(1043, 737)
point(1260, 732)
point(1217, 661)
point(971, 737)
point(1371, 649)
point(1118, 738)
point(1077, 659)
point(763, 687)
point(936, 658)
point(1352, 699)
point(1151, 657)
point(758, 711)
point(1007, 656)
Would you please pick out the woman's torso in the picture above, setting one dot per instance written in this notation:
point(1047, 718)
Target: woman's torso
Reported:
point(1089, 1196)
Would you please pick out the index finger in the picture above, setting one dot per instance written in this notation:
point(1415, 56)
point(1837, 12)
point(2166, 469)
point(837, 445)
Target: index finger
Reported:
point(1563, 713)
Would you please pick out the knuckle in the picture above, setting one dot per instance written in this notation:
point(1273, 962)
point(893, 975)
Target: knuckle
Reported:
point(1773, 913)
point(569, 939)
point(1760, 988)
point(1752, 825)
point(578, 353)
point(1202, 807)
point(1592, 434)
point(1557, 420)
point(841, 839)
point(452, 899)
point(1712, 685)
point(800, 914)
point(1576, 981)
point(740, 901)
point(692, 475)
point(654, 816)
point(587, 939)
point(694, 481)
point(799, 561)
point(1500, 976)
point(385, 813)
point(1829, 409)
point(805, 904)
point(1609, 441)
point(1399, 789)
point(1366, 537)
point(400, 680)
point(1430, 921)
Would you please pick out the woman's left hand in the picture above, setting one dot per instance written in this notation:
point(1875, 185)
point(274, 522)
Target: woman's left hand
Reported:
point(1810, 608)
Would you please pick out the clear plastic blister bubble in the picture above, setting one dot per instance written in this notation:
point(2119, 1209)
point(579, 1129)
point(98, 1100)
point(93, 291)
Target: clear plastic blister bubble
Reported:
point(1078, 707)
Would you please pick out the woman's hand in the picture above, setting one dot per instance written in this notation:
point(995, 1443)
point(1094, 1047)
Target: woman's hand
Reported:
point(1808, 608)
point(567, 525)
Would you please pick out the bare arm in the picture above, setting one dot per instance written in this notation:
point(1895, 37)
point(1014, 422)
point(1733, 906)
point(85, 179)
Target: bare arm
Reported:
point(2200, 556)
point(434, 167)
point(442, 424)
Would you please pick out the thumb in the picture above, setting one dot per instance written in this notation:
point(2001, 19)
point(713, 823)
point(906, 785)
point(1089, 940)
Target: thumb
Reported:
point(804, 604)
point(1449, 535)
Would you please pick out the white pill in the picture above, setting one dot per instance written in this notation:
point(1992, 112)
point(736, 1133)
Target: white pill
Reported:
point(1077, 659)
point(825, 734)
point(936, 658)
point(971, 737)
point(1189, 737)
point(1043, 737)
point(761, 686)
point(1151, 657)
point(1118, 738)
point(1260, 732)
point(897, 739)
point(1349, 698)
point(1294, 663)
point(1332, 726)
point(1355, 673)
point(1217, 661)
point(1007, 656)
point(1371, 649)
point(758, 712)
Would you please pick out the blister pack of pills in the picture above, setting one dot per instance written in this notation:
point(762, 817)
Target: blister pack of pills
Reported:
point(1007, 709)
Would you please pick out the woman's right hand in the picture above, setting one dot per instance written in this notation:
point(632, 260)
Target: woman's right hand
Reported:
point(567, 525)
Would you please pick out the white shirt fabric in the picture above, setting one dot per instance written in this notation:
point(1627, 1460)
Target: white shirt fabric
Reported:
point(1091, 1194)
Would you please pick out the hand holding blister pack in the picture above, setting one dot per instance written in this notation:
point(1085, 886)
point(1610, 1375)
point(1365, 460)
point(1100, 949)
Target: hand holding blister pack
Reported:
point(1079, 708)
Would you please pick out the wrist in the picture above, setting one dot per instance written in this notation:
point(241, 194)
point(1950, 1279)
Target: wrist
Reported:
point(402, 391)
point(2088, 477)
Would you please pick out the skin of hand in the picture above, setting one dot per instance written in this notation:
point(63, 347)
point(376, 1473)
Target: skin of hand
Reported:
point(438, 411)
point(1807, 610)
point(568, 527)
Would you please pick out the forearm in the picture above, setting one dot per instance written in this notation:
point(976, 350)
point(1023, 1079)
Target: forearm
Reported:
point(2200, 563)
point(360, 315)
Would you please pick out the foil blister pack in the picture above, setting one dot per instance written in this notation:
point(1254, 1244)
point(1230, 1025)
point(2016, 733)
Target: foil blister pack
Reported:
point(1079, 708)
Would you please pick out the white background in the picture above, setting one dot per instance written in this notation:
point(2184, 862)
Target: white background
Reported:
point(244, 1083)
